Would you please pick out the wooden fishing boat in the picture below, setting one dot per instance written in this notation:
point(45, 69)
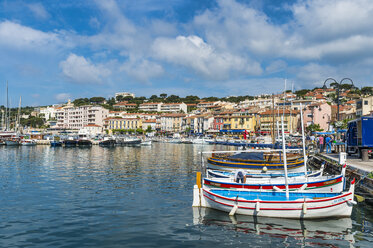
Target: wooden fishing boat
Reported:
point(107, 142)
point(312, 184)
point(256, 156)
point(258, 165)
point(295, 205)
point(70, 143)
point(84, 142)
point(28, 142)
point(230, 174)
point(55, 143)
point(12, 142)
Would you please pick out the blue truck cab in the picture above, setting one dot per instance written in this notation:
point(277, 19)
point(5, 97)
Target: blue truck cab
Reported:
point(360, 135)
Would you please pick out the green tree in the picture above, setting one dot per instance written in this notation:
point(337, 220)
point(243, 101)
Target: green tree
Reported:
point(173, 98)
point(119, 98)
point(301, 93)
point(211, 99)
point(314, 128)
point(163, 95)
point(97, 99)
point(367, 91)
point(81, 101)
point(33, 121)
point(190, 99)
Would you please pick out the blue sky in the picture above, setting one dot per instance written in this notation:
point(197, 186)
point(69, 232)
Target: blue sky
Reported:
point(55, 50)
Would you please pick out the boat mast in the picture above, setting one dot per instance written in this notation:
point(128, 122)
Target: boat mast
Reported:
point(303, 142)
point(6, 108)
point(273, 120)
point(2, 119)
point(19, 114)
point(285, 160)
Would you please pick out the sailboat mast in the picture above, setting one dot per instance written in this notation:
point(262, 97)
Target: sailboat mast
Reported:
point(273, 120)
point(19, 114)
point(6, 108)
point(285, 157)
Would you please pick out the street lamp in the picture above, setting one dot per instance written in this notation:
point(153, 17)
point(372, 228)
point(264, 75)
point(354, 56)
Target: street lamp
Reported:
point(338, 88)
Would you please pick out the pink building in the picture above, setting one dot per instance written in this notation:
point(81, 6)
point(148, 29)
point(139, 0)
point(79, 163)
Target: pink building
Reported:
point(218, 122)
point(318, 113)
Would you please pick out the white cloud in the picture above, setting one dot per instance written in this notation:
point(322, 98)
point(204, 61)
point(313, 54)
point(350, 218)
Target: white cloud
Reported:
point(79, 70)
point(143, 70)
point(192, 52)
point(38, 10)
point(22, 37)
point(320, 20)
point(236, 27)
point(62, 97)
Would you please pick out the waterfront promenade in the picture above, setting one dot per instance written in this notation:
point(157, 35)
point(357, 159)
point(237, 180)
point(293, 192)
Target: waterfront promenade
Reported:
point(353, 161)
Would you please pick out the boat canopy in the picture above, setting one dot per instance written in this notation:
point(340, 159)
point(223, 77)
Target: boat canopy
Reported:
point(248, 156)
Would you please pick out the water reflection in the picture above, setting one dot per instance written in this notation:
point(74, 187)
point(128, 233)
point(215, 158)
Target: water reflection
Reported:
point(306, 232)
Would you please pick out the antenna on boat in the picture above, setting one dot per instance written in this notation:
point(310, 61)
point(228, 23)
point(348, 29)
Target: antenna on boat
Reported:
point(284, 154)
point(303, 143)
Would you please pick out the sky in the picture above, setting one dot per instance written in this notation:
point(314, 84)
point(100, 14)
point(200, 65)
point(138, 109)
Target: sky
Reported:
point(51, 51)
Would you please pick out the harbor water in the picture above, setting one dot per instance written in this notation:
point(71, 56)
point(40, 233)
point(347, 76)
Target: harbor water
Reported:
point(139, 197)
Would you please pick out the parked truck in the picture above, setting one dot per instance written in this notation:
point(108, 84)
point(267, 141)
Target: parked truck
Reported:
point(360, 136)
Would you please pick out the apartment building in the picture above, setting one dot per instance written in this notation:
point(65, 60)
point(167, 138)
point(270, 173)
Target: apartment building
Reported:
point(174, 107)
point(199, 123)
point(364, 106)
point(48, 112)
point(123, 123)
point(150, 107)
point(125, 105)
point(172, 122)
point(70, 117)
point(260, 102)
point(149, 123)
point(318, 113)
point(291, 120)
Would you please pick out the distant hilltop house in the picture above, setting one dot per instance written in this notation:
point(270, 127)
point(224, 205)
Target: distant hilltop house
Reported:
point(123, 94)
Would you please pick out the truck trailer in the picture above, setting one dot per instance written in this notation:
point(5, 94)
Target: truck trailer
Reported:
point(360, 136)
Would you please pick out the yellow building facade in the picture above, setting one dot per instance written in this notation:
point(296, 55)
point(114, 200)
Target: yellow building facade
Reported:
point(124, 123)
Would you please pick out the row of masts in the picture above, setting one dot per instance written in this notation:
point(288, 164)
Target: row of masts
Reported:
point(6, 117)
point(277, 126)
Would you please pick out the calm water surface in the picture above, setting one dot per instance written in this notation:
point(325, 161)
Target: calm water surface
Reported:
point(138, 197)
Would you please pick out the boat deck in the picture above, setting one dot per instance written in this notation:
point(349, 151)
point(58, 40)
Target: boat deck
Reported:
point(271, 196)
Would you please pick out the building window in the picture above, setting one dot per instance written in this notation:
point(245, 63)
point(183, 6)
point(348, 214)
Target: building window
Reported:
point(365, 102)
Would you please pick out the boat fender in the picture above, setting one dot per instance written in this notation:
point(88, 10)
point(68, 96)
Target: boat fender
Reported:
point(265, 169)
point(304, 186)
point(277, 188)
point(353, 202)
point(235, 207)
point(304, 206)
point(257, 206)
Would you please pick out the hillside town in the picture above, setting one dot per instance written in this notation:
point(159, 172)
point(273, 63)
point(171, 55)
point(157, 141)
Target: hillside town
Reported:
point(167, 115)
